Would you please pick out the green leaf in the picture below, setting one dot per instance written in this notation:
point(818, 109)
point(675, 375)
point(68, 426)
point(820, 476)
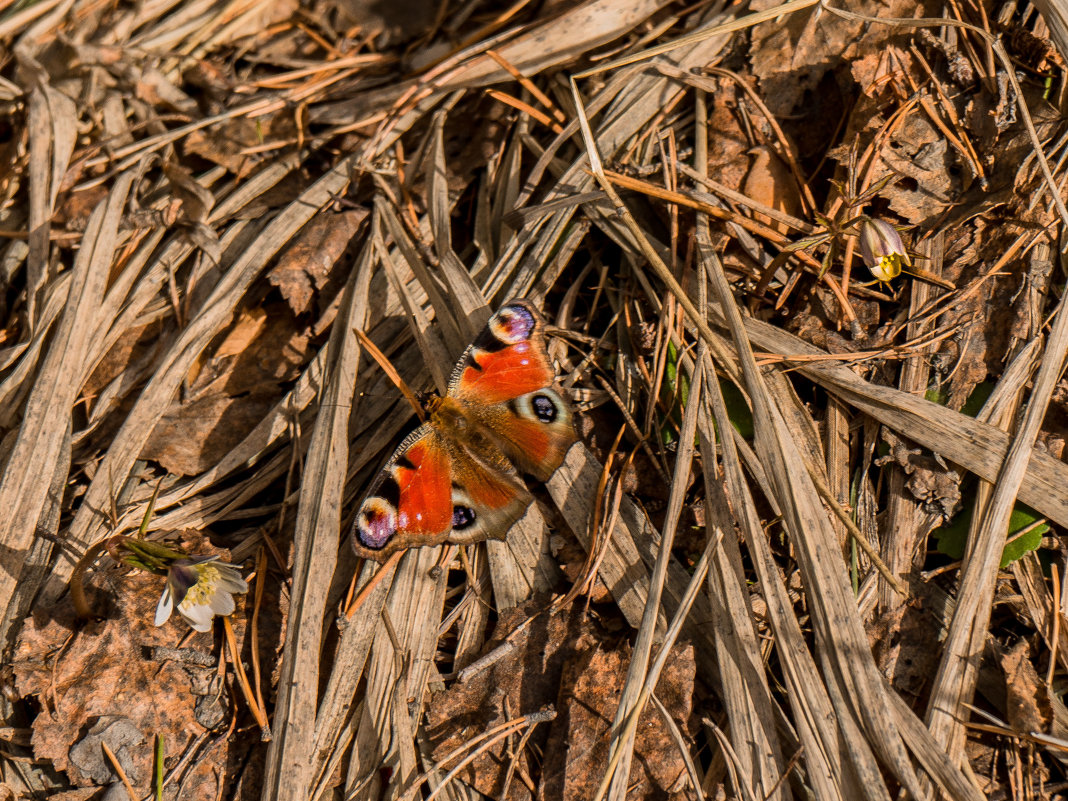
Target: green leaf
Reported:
point(147, 555)
point(738, 411)
point(1023, 519)
point(936, 395)
point(978, 397)
point(952, 538)
point(674, 393)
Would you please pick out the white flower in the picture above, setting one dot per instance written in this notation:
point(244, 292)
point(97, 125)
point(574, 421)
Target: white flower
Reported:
point(203, 586)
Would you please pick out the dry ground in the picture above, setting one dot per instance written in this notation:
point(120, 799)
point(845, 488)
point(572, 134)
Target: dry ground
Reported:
point(810, 544)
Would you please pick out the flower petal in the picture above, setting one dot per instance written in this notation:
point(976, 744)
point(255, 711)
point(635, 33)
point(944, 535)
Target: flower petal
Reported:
point(182, 577)
point(198, 616)
point(233, 583)
point(222, 603)
point(165, 606)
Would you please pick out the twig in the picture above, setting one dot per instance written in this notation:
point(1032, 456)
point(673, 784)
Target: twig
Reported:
point(118, 769)
point(242, 679)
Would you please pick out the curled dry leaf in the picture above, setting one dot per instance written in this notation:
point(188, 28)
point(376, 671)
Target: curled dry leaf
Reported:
point(312, 260)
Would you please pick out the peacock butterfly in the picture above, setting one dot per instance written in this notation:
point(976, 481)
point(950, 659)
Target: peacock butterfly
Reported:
point(456, 478)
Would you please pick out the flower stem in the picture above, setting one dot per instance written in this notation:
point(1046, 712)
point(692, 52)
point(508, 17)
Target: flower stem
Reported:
point(77, 580)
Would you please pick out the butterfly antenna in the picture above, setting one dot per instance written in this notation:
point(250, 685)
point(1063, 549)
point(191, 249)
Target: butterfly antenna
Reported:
point(391, 373)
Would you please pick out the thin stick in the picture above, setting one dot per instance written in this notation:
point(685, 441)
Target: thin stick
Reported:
point(530, 86)
point(526, 108)
point(1055, 580)
point(367, 588)
point(242, 679)
point(118, 769)
point(391, 373)
point(254, 630)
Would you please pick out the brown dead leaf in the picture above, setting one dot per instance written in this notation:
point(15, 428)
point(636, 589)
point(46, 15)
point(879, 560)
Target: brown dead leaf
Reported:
point(905, 642)
point(75, 207)
point(313, 258)
point(527, 679)
point(395, 22)
point(194, 436)
point(136, 348)
point(726, 139)
point(196, 199)
point(770, 182)
point(155, 88)
point(589, 694)
point(1026, 697)
point(936, 486)
point(102, 681)
point(215, 78)
point(232, 392)
point(236, 144)
point(82, 794)
point(572, 558)
point(920, 153)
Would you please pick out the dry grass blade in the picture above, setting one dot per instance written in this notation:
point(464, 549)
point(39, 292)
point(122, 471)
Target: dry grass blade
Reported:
point(749, 705)
point(955, 683)
point(957, 437)
point(637, 688)
point(628, 722)
point(173, 368)
point(290, 770)
point(38, 447)
point(850, 674)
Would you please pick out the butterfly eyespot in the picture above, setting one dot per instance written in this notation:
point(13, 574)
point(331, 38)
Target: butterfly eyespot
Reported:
point(512, 324)
point(462, 517)
point(377, 522)
point(544, 408)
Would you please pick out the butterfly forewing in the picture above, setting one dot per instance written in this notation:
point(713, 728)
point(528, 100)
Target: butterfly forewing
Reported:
point(506, 381)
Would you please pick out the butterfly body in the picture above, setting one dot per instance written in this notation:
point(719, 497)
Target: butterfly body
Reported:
point(456, 478)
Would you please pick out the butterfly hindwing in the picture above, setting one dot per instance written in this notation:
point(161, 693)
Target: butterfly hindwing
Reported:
point(488, 497)
point(411, 501)
point(434, 490)
point(534, 430)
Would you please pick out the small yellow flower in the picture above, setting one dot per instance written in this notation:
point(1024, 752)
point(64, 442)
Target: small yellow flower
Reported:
point(882, 249)
point(202, 587)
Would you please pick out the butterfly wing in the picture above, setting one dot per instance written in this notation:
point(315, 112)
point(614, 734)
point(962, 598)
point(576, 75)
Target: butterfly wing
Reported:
point(505, 383)
point(433, 490)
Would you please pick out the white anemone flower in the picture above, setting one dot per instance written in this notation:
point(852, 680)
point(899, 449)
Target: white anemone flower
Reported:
point(203, 587)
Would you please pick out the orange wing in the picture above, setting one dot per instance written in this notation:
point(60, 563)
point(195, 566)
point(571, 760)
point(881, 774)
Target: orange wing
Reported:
point(505, 383)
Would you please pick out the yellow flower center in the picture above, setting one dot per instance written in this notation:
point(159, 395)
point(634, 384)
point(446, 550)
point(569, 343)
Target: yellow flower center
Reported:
point(889, 267)
point(199, 593)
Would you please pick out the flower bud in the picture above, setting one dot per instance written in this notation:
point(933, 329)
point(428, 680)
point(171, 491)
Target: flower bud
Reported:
point(882, 249)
